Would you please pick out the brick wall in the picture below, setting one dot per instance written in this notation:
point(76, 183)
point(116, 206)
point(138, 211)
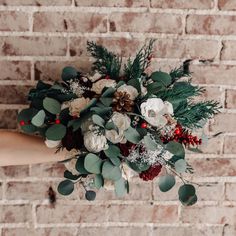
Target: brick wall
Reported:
point(39, 37)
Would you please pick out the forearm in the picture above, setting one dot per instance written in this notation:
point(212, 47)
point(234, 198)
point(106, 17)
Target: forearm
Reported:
point(22, 149)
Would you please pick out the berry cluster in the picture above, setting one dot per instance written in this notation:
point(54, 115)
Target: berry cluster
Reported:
point(182, 136)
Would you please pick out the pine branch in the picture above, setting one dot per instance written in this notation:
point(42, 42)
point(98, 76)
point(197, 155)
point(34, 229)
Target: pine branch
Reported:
point(178, 73)
point(107, 63)
point(191, 115)
point(134, 70)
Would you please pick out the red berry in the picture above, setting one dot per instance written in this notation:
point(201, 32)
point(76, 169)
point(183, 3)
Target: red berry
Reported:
point(57, 121)
point(22, 123)
point(107, 77)
point(177, 131)
point(144, 125)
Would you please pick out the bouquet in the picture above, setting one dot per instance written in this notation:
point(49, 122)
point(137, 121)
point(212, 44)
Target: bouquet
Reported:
point(119, 120)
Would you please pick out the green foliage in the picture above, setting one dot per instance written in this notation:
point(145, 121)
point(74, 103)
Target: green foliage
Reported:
point(181, 166)
point(38, 119)
point(98, 181)
point(132, 135)
point(179, 73)
point(90, 195)
point(113, 152)
point(191, 115)
point(66, 187)
point(110, 171)
point(106, 63)
point(175, 148)
point(93, 163)
point(166, 182)
point(138, 166)
point(98, 120)
point(150, 143)
point(164, 79)
point(134, 69)
point(52, 105)
point(121, 187)
point(187, 194)
point(69, 73)
point(80, 166)
point(56, 132)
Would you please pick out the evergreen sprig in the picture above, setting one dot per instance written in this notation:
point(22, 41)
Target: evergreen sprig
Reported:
point(178, 73)
point(107, 63)
point(141, 61)
point(191, 115)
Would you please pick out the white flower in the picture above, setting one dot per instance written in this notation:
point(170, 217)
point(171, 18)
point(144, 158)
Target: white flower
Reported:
point(115, 137)
point(95, 77)
point(101, 84)
point(154, 111)
point(95, 142)
point(121, 121)
point(77, 105)
point(52, 143)
point(133, 93)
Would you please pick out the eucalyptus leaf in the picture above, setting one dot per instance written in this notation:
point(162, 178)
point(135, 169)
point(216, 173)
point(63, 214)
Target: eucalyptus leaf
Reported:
point(80, 166)
point(98, 120)
point(180, 166)
point(186, 192)
point(26, 114)
point(51, 105)
point(90, 195)
point(108, 92)
point(98, 181)
point(138, 167)
point(135, 83)
point(150, 143)
point(166, 182)
point(132, 135)
point(161, 77)
point(38, 119)
point(69, 175)
point(68, 73)
point(56, 132)
point(66, 187)
point(30, 129)
point(175, 148)
point(120, 187)
point(93, 163)
point(106, 101)
point(110, 171)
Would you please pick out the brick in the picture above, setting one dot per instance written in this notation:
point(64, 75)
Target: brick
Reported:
point(229, 230)
point(228, 51)
point(35, 3)
point(213, 146)
point(182, 4)
point(48, 170)
point(15, 213)
point(112, 3)
point(8, 119)
point(116, 231)
point(227, 5)
point(230, 101)
point(211, 24)
point(38, 232)
point(146, 22)
point(184, 48)
point(206, 74)
point(193, 231)
point(14, 21)
point(70, 22)
point(209, 167)
point(229, 145)
point(224, 122)
point(13, 94)
point(14, 172)
point(71, 213)
point(215, 192)
point(1, 190)
point(51, 70)
point(143, 213)
point(32, 46)
point(209, 214)
point(211, 93)
point(230, 191)
point(15, 70)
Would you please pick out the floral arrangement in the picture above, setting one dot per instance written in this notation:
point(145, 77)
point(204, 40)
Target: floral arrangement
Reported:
point(120, 120)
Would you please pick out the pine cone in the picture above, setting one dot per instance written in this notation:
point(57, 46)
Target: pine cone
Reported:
point(122, 102)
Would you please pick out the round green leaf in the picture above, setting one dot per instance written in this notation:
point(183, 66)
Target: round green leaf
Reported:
point(110, 171)
point(150, 143)
point(98, 181)
point(132, 135)
point(180, 166)
point(162, 77)
point(138, 167)
point(56, 132)
point(38, 119)
point(29, 128)
point(90, 195)
point(186, 192)
point(191, 201)
point(66, 187)
point(52, 105)
point(175, 148)
point(93, 163)
point(120, 187)
point(112, 151)
point(26, 114)
point(166, 182)
point(79, 166)
point(68, 73)
point(98, 120)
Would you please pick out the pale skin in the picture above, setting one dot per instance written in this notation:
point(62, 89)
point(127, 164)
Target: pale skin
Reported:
point(21, 149)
